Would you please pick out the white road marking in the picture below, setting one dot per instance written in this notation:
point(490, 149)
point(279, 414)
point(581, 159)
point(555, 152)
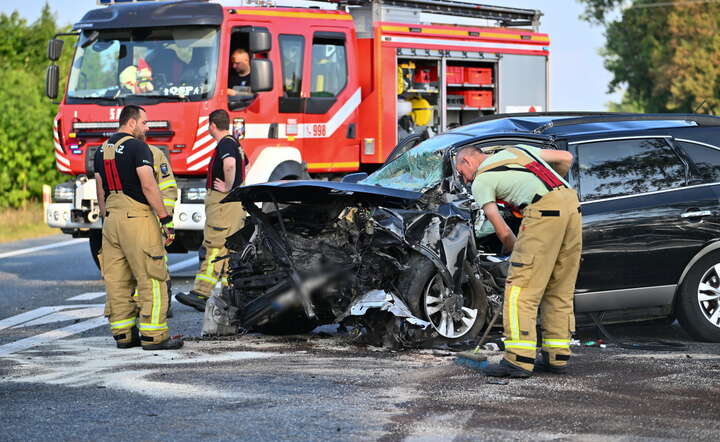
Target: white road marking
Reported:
point(38, 313)
point(67, 315)
point(39, 248)
point(51, 336)
point(183, 264)
point(87, 296)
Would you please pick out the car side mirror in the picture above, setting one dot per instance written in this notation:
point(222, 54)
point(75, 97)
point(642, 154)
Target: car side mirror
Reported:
point(353, 178)
point(54, 50)
point(260, 41)
point(52, 79)
point(261, 75)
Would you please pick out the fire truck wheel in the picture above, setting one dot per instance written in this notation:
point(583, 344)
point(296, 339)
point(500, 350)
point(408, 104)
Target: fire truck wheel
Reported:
point(95, 245)
point(287, 170)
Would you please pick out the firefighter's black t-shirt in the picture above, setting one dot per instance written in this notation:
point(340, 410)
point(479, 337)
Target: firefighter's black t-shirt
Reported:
point(130, 155)
point(236, 80)
point(226, 148)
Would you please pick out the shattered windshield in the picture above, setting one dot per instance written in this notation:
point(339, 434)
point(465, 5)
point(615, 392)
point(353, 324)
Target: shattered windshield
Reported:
point(417, 169)
point(157, 63)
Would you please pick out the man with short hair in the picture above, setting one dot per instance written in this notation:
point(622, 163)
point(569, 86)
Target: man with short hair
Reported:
point(240, 72)
point(545, 256)
point(225, 172)
point(133, 252)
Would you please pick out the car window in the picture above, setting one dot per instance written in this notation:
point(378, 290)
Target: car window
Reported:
point(706, 161)
point(625, 167)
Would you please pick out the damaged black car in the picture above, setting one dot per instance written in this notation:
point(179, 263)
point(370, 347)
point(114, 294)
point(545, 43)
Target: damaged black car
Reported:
point(404, 257)
point(394, 257)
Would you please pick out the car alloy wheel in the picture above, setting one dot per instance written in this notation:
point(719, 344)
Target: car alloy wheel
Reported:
point(448, 312)
point(708, 295)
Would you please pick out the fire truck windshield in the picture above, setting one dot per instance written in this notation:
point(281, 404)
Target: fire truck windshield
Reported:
point(148, 64)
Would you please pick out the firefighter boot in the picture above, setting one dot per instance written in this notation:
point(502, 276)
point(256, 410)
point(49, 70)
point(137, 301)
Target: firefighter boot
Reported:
point(168, 344)
point(505, 369)
point(122, 340)
point(192, 299)
point(543, 364)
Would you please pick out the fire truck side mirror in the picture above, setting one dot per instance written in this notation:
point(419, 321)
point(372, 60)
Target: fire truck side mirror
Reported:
point(261, 77)
point(260, 41)
point(55, 47)
point(52, 78)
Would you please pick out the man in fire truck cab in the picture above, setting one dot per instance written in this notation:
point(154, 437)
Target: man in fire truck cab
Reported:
point(240, 73)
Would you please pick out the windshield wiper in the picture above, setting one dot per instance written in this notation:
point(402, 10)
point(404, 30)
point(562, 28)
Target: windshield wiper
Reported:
point(110, 100)
point(157, 97)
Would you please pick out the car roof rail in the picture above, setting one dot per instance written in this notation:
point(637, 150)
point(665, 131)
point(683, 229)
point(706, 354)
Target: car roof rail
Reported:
point(541, 114)
point(700, 120)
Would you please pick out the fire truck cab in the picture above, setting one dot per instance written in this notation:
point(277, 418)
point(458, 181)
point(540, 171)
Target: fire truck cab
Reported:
point(334, 87)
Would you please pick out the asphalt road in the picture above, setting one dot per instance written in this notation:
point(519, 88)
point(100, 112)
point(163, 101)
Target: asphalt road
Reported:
point(61, 377)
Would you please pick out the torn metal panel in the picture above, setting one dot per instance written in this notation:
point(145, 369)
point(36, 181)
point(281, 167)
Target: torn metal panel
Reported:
point(385, 301)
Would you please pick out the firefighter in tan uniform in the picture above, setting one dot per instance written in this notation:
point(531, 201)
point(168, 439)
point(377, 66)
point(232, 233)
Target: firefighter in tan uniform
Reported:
point(168, 193)
point(133, 252)
point(225, 172)
point(545, 256)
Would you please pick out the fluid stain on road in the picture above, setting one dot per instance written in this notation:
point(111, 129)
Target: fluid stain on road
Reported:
point(403, 395)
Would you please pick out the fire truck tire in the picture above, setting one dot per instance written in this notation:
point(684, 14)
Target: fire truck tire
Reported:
point(95, 242)
point(289, 170)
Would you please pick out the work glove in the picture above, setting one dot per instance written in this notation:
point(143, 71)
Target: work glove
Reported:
point(168, 230)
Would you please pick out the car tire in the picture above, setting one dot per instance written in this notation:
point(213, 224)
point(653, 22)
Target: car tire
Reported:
point(95, 243)
point(423, 280)
point(287, 170)
point(698, 302)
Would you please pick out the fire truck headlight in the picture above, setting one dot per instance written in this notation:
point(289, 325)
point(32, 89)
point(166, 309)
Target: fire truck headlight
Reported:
point(194, 195)
point(196, 217)
point(183, 216)
point(64, 192)
point(56, 215)
point(66, 216)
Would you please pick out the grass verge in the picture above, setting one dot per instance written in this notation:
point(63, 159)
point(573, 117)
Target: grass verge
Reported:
point(23, 223)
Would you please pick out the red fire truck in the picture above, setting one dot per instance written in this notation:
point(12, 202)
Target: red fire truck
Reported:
point(334, 86)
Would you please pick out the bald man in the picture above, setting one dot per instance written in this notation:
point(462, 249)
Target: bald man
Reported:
point(240, 73)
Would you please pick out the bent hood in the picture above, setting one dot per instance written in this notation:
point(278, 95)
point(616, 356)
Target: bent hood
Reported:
point(312, 191)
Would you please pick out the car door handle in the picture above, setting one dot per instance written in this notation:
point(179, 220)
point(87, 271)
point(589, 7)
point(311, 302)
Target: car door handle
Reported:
point(696, 214)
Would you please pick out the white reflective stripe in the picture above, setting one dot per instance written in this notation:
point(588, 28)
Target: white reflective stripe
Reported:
point(124, 323)
point(199, 165)
point(201, 153)
point(556, 341)
point(170, 203)
point(62, 159)
point(468, 44)
point(520, 344)
point(146, 326)
point(343, 113)
point(202, 141)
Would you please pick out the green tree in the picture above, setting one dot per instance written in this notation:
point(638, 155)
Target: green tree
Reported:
point(665, 54)
point(26, 115)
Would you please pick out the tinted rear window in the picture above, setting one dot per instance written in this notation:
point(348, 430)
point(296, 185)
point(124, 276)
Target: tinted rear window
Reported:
point(706, 161)
point(626, 167)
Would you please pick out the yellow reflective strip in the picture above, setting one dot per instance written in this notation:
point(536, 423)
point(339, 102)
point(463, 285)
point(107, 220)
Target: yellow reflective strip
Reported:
point(514, 320)
point(135, 293)
point(124, 323)
point(168, 183)
point(333, 165)
point(210, 269)
point(146, 326)
point(209, 279)
point(169, 202)
point(156, 302)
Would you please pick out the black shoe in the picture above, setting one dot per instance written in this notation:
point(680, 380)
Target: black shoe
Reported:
point(192, 299)
point(505, 369)
point(168, 344)
point(543, 364)
point(169, 313)
point(133, 342)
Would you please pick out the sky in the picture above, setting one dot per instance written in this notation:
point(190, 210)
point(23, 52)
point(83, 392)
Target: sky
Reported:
point(578, 79)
